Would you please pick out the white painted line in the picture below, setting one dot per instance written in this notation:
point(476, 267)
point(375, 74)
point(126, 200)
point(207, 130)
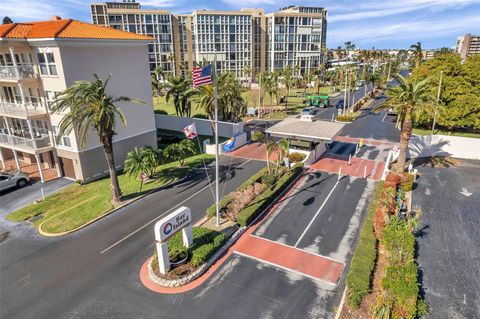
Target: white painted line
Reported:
point(384, 116)
point(316, 214)
point(285, 268)
point(160, 216)
point(299, 249)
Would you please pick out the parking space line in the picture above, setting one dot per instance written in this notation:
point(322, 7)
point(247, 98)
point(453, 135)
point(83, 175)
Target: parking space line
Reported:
point(316, 214)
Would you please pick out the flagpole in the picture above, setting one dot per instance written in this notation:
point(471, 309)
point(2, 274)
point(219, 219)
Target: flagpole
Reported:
point(215, 93)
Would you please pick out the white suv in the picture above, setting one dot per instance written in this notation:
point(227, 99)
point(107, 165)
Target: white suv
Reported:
point(13, 179)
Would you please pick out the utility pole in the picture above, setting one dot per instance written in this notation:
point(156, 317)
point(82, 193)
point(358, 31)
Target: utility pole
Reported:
point(345, 94)
point(438, 100)
point(388, 76)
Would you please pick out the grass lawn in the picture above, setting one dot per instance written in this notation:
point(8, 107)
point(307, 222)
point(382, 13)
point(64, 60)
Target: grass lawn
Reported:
point(424, 131)
point(159, 103)
point(78, 204)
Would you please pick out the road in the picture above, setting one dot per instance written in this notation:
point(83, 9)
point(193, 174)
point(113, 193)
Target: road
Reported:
point(448, 245)
point(99, 265)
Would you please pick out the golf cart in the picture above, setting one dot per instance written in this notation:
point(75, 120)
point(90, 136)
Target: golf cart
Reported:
point(318, 101)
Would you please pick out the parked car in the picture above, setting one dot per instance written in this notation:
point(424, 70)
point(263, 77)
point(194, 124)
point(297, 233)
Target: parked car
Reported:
point(339, 104)
point(13, 179)
point(308, 111)
point(391, 111)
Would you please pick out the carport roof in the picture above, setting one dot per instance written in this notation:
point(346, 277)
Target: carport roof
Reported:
point(304, 130)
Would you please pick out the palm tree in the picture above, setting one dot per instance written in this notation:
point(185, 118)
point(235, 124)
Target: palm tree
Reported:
point(288, 80)
point(143, 160)
point(417, 53)
point(410, 97)
point(7, 20)
point(270, 146)
point(180, 90)
point(247, 72)
point(157, 82)
point(87, 105)
point(271, 88)
point(173, 59)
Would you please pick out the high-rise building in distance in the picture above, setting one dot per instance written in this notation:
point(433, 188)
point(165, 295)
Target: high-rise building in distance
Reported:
point(468, 45)
point(245, 42)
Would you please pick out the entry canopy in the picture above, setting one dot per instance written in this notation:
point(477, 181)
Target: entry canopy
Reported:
point(315, 131)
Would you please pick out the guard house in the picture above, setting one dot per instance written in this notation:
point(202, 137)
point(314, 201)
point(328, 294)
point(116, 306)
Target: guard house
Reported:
point(306, 134)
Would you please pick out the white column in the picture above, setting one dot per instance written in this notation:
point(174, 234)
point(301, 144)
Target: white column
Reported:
point(37, 158)
point(16, 159)
point(57, 163)
point(2, 159)
point(162, 254)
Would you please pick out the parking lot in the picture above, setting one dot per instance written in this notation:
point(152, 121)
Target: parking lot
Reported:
point(448, 245)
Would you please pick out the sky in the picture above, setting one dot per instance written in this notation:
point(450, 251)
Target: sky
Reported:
point(367, 23)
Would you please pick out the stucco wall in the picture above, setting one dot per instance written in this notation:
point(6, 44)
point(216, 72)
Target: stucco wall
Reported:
point(443, 145)
point(178, 123)
point(130, 77)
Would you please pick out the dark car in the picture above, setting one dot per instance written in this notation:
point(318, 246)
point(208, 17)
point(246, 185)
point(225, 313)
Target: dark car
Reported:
point(339, 104)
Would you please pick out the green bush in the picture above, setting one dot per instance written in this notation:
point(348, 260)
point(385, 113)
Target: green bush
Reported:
point(269, 179)
point(407, 182)
point(160, 112)
point(226, 199)
point(248, 214)
point(200, 116)
point(359, 278)
point(296, 157)
point(205, 243)
point(344, 118)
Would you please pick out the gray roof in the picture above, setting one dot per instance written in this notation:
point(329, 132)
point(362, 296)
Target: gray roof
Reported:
point(305, 130)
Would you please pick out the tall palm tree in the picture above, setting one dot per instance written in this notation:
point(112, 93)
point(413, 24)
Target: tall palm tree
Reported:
point(247, 72)
point(288, 80)
point(270, 146)
point(417, 53)
point(87, 105)
point(180, 90)
point(409, 98)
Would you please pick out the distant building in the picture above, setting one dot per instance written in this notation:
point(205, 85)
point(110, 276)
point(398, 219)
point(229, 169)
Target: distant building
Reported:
point(243, 40)
point(468, 45)
point(428, 54)
point(40, 59)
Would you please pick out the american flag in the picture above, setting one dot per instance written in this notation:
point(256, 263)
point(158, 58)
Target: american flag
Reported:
point(202, 76)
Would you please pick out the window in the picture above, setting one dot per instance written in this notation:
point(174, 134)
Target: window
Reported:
point(46, 61)
point(50, 97)
point(63, 141)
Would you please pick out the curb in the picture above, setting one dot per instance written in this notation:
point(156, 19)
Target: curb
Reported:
point(133, 200)
point(169, 283)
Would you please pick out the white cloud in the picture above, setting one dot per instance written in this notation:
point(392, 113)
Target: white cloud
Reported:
point(27, 10)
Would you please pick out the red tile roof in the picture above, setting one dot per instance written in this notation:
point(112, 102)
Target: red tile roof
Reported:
point(65, 29)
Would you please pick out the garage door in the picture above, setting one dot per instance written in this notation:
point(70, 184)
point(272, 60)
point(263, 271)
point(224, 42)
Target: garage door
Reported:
point(67, 167)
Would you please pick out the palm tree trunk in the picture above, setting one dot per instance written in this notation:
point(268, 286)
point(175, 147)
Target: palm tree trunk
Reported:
point(108, 149)
point(405, 135)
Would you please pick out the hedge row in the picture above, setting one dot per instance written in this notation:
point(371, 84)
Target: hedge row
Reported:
point(407, 182)
point(226, 199)
point(249, 213)
point(401, 274)
point(205, 243)
point(363, 262)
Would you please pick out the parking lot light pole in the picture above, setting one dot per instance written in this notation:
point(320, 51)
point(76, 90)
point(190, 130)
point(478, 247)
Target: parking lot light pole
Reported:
point(345, 94)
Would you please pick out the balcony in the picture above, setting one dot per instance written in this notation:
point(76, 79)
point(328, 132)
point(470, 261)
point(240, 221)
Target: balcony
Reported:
point(24, 144)
point(20, 72)
point(23, 111)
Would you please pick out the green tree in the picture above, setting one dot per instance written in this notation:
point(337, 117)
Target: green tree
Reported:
point(143, 160)
point(288, 80)
point(270, 146)
point(247, 72)
point(180, 151)
point(411, 96)
point(180, 90)
point(87, 105)
point(7, 20)
point(417, 53)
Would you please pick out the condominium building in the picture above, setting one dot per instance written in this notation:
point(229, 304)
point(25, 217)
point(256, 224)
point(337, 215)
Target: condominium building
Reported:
point(244, 42)
point(40, 59)
point(468, 45)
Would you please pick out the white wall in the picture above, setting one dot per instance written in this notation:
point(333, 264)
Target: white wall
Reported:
point(128, 65)
point(178, 123)
point(443, 145)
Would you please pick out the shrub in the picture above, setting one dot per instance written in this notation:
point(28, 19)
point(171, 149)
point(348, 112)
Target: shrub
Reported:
point(180, 151)
point(227, 199)
point(296, 157)
point(363, 262)
point(241, 198)
point(344, 118)
point(200, 116)
point(205, 243)
point(248, 214)
point(160, 112)
point(407, 182)
point(269, 179)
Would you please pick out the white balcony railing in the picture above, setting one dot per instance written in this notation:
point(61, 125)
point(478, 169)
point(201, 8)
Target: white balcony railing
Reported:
point(25, 143)
point(21, 110)
point(26, 71)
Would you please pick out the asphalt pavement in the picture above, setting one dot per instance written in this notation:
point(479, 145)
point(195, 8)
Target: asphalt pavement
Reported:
point(94, 273)
point(448, 244)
